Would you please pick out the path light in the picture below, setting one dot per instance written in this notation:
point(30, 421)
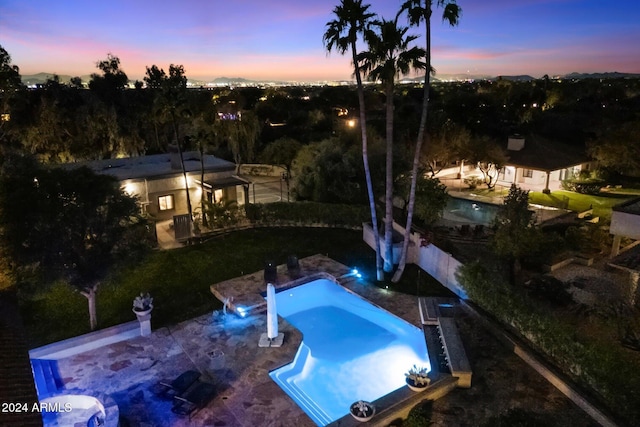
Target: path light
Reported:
point(352, 273)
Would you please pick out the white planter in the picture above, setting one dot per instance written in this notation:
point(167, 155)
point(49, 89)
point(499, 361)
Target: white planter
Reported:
point(357, 414)
point(142, 313)
point(144, 318)
point(416, 388)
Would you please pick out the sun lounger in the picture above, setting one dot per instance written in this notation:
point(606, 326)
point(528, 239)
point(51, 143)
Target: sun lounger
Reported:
point(194, 399)
point(171, 388)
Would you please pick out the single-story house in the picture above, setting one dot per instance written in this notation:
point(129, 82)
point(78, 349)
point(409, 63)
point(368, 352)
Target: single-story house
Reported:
point(538, 164)
point(159, 184)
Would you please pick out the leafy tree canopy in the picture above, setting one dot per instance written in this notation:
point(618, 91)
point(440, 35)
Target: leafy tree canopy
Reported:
point(68, 224)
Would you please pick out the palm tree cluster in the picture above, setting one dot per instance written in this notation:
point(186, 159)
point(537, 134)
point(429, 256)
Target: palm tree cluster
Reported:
point(390, 52)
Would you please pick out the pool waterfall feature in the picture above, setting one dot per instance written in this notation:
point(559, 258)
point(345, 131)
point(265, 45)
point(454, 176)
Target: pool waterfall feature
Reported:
point(351, 350)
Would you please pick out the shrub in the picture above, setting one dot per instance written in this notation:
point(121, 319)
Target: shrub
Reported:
point(517, 417)
point(550, 289)
point(598, 365)
point(589, 186)
point(473, 182)
point(303, 213)
point(420, 415)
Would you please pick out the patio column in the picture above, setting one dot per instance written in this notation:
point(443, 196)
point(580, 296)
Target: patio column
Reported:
point(546, 185)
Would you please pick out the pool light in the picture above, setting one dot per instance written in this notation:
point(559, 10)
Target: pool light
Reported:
point(241, 311)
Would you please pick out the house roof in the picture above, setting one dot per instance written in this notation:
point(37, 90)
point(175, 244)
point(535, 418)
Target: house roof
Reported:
point(156, 165)
point(543, 154)
point(631, 207)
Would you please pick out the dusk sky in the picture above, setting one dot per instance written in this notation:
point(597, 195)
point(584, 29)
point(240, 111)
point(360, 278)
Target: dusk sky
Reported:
point(282, 39)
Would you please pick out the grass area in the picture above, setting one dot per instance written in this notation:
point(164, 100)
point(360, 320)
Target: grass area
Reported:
point(601, 203)
point(179, 279)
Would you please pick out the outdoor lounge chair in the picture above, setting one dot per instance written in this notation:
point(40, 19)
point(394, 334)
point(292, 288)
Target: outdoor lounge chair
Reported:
point(194, 399)
point(171, 388)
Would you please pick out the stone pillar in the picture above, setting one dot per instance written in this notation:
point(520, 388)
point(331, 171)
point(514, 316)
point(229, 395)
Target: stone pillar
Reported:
point(144, 319)
point(615, 247)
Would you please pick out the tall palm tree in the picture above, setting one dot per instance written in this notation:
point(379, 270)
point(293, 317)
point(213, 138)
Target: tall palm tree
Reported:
point(390, 55)
point(419, 11)
point(352, 18)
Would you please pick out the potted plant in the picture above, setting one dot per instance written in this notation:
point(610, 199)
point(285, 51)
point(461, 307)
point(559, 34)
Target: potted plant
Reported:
point(362, 411)
point(417, 378)
point(142, 304)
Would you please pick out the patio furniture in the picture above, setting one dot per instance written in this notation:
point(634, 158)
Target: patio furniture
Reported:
point(194, 399)
point(293, 266)
point(171, 388)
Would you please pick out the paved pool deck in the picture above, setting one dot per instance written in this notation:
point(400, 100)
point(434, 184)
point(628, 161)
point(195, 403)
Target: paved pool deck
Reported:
point(224, 349)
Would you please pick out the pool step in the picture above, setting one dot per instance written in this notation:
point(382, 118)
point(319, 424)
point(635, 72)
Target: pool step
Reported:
point(286, 382)
point(46, 376)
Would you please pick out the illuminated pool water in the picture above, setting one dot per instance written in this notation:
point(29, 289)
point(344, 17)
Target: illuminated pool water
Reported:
point(351, 350)
point(470, 211)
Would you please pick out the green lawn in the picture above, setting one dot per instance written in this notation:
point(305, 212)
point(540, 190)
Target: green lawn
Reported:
point(577, 202)
point(601, 203)
point(179, 279)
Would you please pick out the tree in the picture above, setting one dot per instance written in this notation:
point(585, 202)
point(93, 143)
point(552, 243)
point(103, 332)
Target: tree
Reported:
point(618, 149)
point(487, 155)
point(430, 196)
point(66, 224)
point(352, 18)
point(112, 81)
point(281, 152)
point(444, 147)
point(10, 83)
point(515, 234)
point(327, 171)
point(420, 11)
point(170, 103)
point(389, 56)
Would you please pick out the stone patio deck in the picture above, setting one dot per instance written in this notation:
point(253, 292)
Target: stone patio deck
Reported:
point(239, 369)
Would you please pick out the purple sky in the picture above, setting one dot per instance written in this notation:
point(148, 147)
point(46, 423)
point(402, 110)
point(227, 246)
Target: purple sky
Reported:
point(282, 39)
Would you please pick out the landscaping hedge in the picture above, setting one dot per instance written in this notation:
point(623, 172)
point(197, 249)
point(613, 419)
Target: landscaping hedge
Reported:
point(306, 213)
point(608, 370)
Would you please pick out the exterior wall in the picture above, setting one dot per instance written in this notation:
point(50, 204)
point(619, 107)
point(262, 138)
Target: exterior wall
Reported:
point(439, 264)
point(538, 179)
point(149, 191)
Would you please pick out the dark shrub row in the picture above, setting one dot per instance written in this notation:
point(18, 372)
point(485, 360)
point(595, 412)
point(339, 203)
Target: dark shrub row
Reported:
point(306, 213)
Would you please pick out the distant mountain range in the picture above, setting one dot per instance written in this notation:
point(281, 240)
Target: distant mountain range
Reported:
point(41, 78)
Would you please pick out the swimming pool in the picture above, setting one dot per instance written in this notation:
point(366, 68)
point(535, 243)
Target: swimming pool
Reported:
point(470, 211)
point(351, 350)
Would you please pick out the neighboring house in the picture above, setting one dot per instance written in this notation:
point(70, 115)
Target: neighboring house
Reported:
point(538, 164)
point(158, 182)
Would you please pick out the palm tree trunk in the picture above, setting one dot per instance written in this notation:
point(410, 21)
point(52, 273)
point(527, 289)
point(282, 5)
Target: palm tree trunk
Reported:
point(388, 197)
point(184, 172)
point(367, 171)
point(205, 223)
point(416, 157)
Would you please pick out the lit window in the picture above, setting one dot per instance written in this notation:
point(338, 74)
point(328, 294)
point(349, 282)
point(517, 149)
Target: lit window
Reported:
point(527, 173)
point(165, 203)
